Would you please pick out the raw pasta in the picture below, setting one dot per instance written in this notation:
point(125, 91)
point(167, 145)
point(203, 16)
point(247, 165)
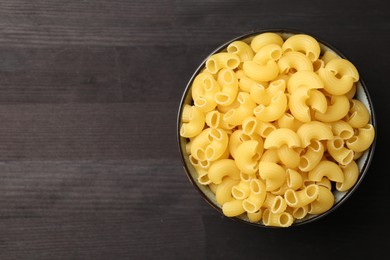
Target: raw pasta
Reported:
point(274, 128)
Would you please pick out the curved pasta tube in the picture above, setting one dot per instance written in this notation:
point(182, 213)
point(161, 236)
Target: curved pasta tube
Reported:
point(283, 219)
point(255, 217)
point(282, 136)
point(328, 56)
point(210, 144)
point(351, 175)
point(326, 169)
point(323, 203)
point(307, 79)
point(223, 191)
point(236, 116)
point(252, 126)
point(338, 151)
point(297, 199)
point(241, 49)
point(269, 52)
point(303, 43)
point(257, 196)
point(193, 121)
point(289, 121)
point(262, 95)
point(264, 39)
point(233, 208)
point(203, 90)
point(343, 68)
point(241, 191)
point(247, 155)
point(351, 94)
point(318, 64)
point(294, 179)
point(258, 72)
point(270, 155)
point(245, 83)
point(229, 83)
point(333, 84)
point(300, 100)
point(222, 60)
point(222, 168)
point(294, 61)
point(363, 140)
point(238, 137)
point(312, 157)
point(342, 129)
point(358, 115)
point(301, 212)
point(274, 110)
point(337, 110)
point(199, 164)
point(203, 177)
point(273, 174)
point(288, 156)
point(314, 130)
point(325, 182)
point(213, 119)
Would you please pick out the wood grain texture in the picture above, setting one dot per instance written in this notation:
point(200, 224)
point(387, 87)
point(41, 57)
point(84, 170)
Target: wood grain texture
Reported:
point(89, 94)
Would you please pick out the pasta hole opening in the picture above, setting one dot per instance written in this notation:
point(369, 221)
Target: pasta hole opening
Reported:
point(222, 98)
point(232, 63)
point(345, 134)
point(303, 164)
point(315, 145)
point(245, 177)
point(291, 198)
point(200, 154)
point(254, 186)
point(241, 98)
point(211, 66)
point(266, 217)
point(193, 160)
point(200, 102)
point(288, 50)
point(259, 109)
point(256, 157)
point(367, 127)
point(311, 191)
point(311, 55)
point(276, 54)
point(352, 140)
point(228, 76)
point(249, 206)
point(204, 164)
point(277, 204)
point(288, 179)
point(267, 130)
point(214, 120)
point(204, 179)
point(208, 84)
point(318, 64)
point(338, 76)
point(284, 219)
point(245, 137)
point(183, 130)
point(249, 127)
point(215, 134)
point(299, 213)
point(232, 49)
point(238, 193)
point(292, 70)
point(339, 186)
point(338, 143)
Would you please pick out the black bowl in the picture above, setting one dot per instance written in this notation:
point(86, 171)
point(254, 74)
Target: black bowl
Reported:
point(363, 162)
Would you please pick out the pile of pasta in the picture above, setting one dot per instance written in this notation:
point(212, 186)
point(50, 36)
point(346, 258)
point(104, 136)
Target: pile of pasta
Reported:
point(274, 128)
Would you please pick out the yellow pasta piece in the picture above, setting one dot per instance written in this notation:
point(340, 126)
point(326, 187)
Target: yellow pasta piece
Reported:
point(337, 110)
point(233, 208)
point(282, 136)
point(242, 190)
point(257, 196)
point(297, 199)
point(263, 95)
point(358, 115)
point(293, 179)
point(363, 140)
point(291, 62)
point(269, 52)
point(323, 203)
point(314, 131)
point(300, 212)
point(229, 83)
point(266, 72)
point(339, 152)
point(326, 169)
point(342, 129)
point(247, 155)
point(274, 110)
point(222, 60)
point(223, 192)
point(289, 121)
point(273, 174)
point(288, 156)
point(307, 79)
point(351, 175)
point(278, 220)
point(241, 49)
point(203, 90)
point(193, 121)
point(303, 43)
point(312, 157)
point(222, 168)
point(237, 115)
point(263, 39)
point(270, 155)
point(255, 217)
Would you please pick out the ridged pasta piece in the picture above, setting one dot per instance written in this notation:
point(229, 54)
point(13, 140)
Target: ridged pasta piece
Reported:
point(291, 62)
point(293, 179)
point(241, 49)
point(223, 192)
point(256, 216)
point(203, 90)
point(274, 110)
point(358, 115)
point(213, 119)
point(303, 43)
point(297, 199)
point(229, 83)
point(222, 168)
point(338, 151)
point(302, 98)
point(236, 116)
point(263, 39)
point(312, 157)
point(339, 107)
point(258, 72)
point(247, 155)
point(343, 68)
point(314, 131)
point(268, 52)
point(362, 141)
point(326, 169)
point(283, 219)
point(351, 175)
point(342, 129)
point(282, 136)
point(193, 121)
point(257, 196)
point(242, 190)
point(288, 156)
point(210, 144)
point(222, 60)
point(308, 79)
point(323, 203)
point(233, 208)
point(273, 174)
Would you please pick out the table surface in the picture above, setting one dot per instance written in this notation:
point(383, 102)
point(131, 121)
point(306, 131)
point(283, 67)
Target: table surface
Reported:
point(89, 94)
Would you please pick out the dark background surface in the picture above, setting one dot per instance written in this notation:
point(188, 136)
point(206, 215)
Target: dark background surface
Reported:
point(89, 165)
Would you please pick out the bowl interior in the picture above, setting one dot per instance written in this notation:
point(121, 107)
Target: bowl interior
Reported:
point(363, 162)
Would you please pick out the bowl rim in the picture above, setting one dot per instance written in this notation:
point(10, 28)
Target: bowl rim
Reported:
point(365, 166)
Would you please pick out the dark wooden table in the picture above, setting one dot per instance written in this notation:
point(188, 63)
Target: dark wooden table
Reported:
point(89, 165)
